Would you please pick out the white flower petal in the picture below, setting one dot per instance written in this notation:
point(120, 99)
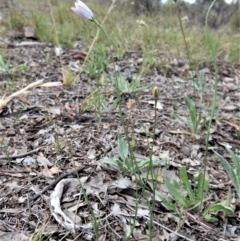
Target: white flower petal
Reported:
point(82, 10)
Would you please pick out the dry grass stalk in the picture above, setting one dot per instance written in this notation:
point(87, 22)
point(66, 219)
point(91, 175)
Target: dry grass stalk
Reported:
point(4, 101)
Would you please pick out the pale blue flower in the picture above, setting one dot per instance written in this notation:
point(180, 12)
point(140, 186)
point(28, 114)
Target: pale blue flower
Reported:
point(82, 10)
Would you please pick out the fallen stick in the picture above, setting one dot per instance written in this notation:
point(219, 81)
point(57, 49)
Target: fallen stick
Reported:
point(55, 182)
point(3, 157)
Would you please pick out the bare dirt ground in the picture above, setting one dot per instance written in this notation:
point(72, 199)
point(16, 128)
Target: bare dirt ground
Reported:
point(31, 164)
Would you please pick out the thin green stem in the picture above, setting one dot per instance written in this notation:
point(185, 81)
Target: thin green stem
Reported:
point(132, 156)
point(184, 37)
point(153, 174)
point(111, 52)
point(213, 53)
point(121, 115)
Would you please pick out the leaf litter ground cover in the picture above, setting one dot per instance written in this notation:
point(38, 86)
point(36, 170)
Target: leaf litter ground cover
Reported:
point(45, 138)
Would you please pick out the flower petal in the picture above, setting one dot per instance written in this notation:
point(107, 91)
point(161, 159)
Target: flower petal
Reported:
point(82, 10)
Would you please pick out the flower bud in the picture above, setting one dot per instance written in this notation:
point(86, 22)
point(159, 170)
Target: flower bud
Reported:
point(155, 93)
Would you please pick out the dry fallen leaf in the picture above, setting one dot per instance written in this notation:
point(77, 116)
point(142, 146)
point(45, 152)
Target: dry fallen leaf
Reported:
point(43, 161)
point(54, 110)
point(46, 173)
point(55, 170)
point(91, 153)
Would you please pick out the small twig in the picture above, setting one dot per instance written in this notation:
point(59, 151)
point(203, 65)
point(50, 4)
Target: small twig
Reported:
point(199, 222)
point(168, 229)
point(8, 172)
point(231, 141)
point(63, 238)
point(3, 157)
point(109, 226)
point(55, 182)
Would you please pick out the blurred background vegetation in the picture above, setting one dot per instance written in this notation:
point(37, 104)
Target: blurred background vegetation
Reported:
point(54, 22)
point(222, 12)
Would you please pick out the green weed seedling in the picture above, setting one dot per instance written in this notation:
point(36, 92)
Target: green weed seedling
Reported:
point(57, 145)
point(15, 20)
point(97, 63)
point(224, 207)
point(3, 66)
point(148, 62)
point(96, 100)
point(122, 86)
point(127, 163)
point(194, 119)
point(68, 77)
point(234, 170)
point(6, 69)
point(189, 197)
point(6, 152)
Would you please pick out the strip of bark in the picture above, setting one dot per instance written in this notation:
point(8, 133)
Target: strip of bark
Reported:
point(72, 172)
